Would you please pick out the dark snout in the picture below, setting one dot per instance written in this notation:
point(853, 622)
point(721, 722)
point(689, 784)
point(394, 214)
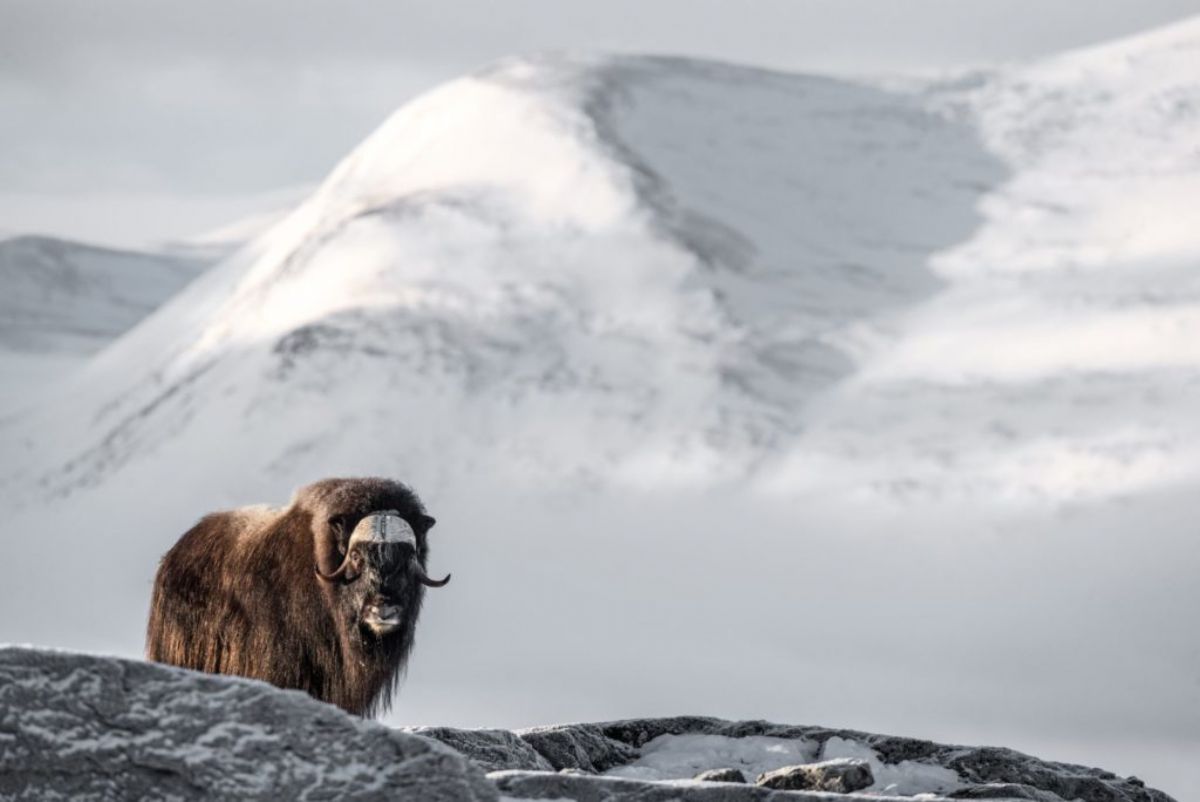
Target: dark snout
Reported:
point(395, 577)
point(389, 559)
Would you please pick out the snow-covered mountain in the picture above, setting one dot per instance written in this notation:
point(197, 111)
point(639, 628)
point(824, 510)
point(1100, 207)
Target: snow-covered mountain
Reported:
point(635, 269)
point(62, 301)
point(654, 270)
point(887, 388)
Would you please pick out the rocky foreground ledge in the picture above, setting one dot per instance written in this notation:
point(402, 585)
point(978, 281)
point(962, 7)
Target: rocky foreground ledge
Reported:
point(83, 727)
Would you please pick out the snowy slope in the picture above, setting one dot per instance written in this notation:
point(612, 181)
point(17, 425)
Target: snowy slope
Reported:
point(733, 391)
point(1061, 360)
point(62, 301)
point(533, 251)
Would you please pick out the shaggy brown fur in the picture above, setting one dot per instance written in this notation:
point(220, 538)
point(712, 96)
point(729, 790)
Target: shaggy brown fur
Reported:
point(238, 594)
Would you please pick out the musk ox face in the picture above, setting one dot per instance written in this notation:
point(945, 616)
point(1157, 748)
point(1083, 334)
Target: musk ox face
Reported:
point(381, 578)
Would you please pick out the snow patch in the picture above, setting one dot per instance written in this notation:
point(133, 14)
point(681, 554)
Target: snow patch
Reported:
point(682, 757)
point(906, 778)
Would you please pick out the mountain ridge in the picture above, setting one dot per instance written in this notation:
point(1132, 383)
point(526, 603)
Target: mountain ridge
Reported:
point(62, 301)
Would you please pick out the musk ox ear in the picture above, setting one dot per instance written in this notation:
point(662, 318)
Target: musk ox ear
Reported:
point(427, 521)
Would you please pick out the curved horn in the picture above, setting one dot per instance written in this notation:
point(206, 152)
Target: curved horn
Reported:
point(337, 575)
point(430, 583)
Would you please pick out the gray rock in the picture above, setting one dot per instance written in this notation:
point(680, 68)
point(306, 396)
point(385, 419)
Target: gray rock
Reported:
point(602, 746)
point(721, 776)
point(975, 765)
point(578, 746)
point(840, 776)
point(92, 728)
point(1008, 791)
point(97, 728)
point(990, 765)
point(539, 785)
point(492, 750)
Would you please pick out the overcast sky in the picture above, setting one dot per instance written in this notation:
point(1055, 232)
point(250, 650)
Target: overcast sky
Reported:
point(130, 120)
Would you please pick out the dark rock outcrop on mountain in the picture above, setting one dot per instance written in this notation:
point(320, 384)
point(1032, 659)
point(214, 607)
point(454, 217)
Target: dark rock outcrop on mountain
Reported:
point(91, 728)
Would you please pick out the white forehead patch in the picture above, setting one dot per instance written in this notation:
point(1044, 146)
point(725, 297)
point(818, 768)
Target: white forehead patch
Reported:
point(384, 527)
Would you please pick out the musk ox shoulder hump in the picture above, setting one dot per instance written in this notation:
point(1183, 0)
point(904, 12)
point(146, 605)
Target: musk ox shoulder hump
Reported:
point(256, 516)
point(246, 522)
point(349, 494)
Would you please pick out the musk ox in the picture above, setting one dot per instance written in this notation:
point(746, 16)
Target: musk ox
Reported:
point(322, 596)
